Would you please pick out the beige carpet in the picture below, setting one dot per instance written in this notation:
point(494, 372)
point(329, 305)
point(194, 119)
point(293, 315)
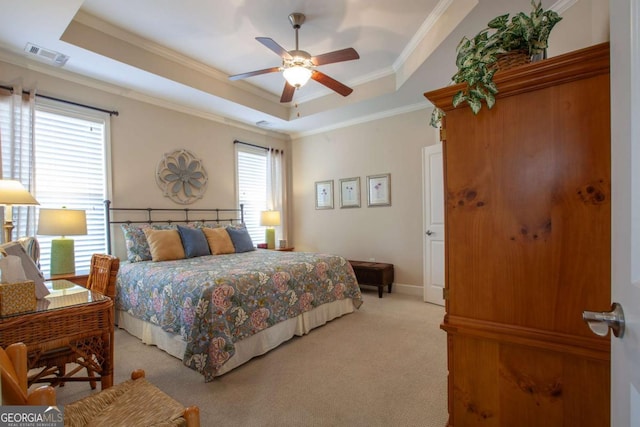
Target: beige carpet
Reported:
point(384, 365)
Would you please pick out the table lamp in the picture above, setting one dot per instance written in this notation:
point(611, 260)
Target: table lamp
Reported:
point(270, 219)
point(62, 222)
point(13, 193)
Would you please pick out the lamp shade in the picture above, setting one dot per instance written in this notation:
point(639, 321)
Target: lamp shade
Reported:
point(297, 76)
point(270, 218)
point(12, 192)
point(62, 222)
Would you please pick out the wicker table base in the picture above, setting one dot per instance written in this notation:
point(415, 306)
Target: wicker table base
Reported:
point(80, 324)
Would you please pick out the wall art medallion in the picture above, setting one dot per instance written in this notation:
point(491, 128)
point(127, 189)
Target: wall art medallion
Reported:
point(181, 177)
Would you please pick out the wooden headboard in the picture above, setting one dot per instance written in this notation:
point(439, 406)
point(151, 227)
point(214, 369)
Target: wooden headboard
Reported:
point(168, 216)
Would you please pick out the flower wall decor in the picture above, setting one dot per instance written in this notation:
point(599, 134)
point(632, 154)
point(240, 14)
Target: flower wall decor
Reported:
point(181, 177)
point(379, 190)
point(324, 194)
point(350, 192)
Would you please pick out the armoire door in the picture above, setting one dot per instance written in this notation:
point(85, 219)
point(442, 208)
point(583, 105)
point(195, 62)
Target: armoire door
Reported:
point(527, 215)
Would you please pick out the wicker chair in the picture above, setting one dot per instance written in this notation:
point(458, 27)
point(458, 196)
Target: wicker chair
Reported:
point(102, 278)
point(135, 402)
point(103, 273)
point(13, 371)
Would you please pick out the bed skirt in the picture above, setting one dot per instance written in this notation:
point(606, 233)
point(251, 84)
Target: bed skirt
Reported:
point(246, 349)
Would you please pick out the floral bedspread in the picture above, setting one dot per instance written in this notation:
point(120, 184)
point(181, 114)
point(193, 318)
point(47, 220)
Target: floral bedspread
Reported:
point(216, 301)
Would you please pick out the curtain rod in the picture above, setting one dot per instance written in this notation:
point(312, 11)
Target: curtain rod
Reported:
point(77, 104)
point(258, 146)
point(250, 145)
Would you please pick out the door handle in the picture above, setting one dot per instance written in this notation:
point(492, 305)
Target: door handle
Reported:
point(601, 321)
point(429, 232)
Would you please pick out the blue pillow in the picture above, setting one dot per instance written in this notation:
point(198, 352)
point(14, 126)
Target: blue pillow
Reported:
point(194, 242)
point(240, 239)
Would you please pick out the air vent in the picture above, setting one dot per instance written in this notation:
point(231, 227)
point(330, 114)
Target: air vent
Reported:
point(56, 58)
point(263, 124)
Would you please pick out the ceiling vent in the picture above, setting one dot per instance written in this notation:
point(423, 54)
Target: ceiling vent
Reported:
point(56, 58)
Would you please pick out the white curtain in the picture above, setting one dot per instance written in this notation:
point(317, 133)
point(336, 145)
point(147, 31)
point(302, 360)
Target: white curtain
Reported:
point(276, 188)
point(17, 152)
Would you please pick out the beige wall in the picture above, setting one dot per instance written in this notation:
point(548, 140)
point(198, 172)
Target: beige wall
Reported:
point(394, 234)
point(584, 24)
point(143, 132)
point(388, 234)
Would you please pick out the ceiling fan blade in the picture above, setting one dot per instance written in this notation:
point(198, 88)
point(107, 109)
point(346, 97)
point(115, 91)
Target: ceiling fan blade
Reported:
point(331, 83)
point(271, 44)
point(287, 93)
point(347, 54)
point(254, 73)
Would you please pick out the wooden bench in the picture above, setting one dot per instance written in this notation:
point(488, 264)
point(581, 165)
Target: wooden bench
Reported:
point(373, 274)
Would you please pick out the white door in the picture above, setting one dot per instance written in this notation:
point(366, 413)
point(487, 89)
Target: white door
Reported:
point(433, 183)
point(625, 227)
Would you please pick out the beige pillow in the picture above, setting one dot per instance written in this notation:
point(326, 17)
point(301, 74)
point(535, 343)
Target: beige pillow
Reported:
point(219, 240)
point(165, 245)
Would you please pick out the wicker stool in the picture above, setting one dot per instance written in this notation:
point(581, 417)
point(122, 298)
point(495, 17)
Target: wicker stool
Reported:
point(136, 402)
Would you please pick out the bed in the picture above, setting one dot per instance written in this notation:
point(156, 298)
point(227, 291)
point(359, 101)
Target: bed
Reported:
point(216, 312)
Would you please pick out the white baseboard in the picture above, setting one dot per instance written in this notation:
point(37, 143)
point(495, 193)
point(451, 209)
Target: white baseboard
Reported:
point(408, 289)
point(401, 288)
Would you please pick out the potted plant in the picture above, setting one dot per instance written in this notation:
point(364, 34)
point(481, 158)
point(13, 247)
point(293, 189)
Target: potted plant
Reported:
point(503, 44)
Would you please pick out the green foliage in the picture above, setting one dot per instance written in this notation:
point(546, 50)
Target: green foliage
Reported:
point(476, 57)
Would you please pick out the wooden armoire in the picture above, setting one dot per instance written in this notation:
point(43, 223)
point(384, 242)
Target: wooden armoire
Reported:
point(527, 237)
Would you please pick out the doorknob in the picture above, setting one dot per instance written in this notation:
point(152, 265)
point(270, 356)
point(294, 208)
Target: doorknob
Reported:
point(600, 322)
point(429, 232)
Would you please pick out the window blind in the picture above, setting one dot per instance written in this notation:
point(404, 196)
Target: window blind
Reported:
point(251, 169)
point(71, 171)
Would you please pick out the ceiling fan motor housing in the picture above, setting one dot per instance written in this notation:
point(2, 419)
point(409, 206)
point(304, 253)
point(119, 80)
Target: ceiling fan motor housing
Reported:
point(299, 58)
point(296, 19)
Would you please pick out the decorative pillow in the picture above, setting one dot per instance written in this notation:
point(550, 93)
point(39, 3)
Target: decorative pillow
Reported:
point(136, 241)
point(194, 242)
point(205, 224)
point(241, 239)
point(165, 245)
point(219, 241)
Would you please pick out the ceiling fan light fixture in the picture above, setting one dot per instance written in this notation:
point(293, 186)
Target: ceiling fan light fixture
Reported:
point(298, 66)
point(297, 75)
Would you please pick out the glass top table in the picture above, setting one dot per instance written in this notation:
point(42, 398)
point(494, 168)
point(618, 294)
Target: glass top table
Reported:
point(63, 294)
point(71, 317)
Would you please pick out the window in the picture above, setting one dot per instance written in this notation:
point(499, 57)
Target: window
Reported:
point(71, 170)
point(251, 169)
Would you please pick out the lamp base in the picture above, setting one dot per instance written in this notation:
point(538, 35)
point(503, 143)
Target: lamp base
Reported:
point(270, 236)
point(8, 229)
point(62, 257)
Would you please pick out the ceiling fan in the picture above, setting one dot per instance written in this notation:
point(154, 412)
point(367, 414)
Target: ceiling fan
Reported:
point(299, 66)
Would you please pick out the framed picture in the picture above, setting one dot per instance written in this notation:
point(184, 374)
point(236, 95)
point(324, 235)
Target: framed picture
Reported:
point(324, 194)
point(350, 192)
point(379, 190)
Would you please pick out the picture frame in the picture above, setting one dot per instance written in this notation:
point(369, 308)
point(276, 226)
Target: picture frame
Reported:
point(324, 194)
point(379, 190)
point(350, 192)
